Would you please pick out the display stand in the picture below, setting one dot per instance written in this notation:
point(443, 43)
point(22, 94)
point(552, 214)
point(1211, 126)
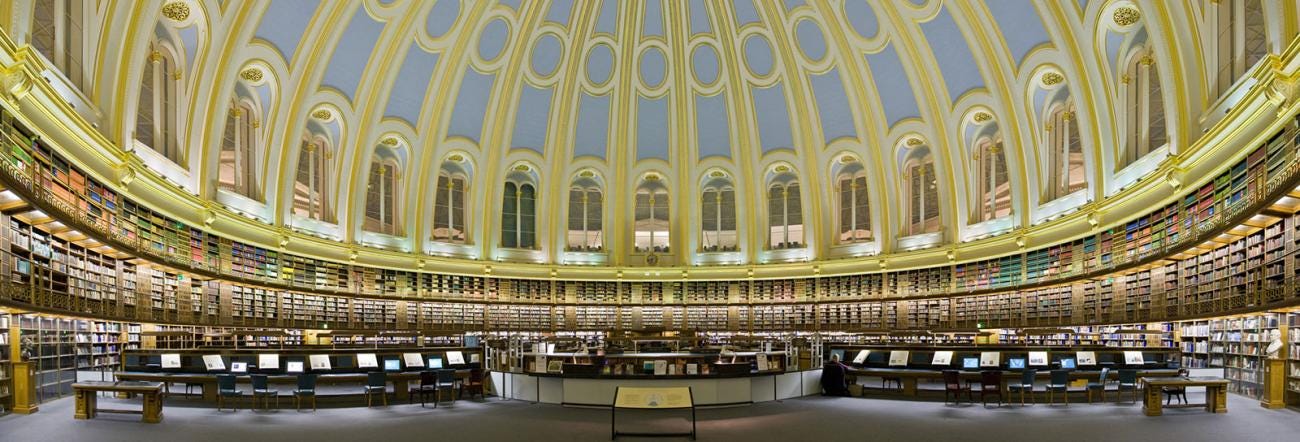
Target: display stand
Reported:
point(642, 398)
point(1274, 383)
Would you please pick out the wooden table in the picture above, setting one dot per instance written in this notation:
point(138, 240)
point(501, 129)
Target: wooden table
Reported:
point(1216, 393)
point(87, 394)
point(911, 376)
point(209, 380)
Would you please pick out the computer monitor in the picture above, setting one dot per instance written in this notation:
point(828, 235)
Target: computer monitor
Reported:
point(458, 358)
point(970, 363)
point(838, 352)
point(1067, 363)
point(1016, 363)
point(239, 367)
point(392, 365)
point(435, 363)
point(293, 367)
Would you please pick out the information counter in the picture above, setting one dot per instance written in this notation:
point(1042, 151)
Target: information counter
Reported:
point(708, 390)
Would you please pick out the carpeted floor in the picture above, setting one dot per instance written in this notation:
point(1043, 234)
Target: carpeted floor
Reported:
point(807, 419)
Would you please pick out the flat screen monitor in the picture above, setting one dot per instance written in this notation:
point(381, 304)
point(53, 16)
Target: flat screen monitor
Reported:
point(1067, 363)
point(435, 363)
point(392, 365)
point(837, 352)
point(458, 358)
point(1134, 358)
point(942, 358)
point(239, 367)
point(1016, 363)
point(970, 363)
point(294, 367)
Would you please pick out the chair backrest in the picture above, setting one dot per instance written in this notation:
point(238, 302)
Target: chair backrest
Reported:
point(991, 377)
point(428, 377)
point(475, 375)
point(1060, 377)
point(306, 381)
point(1105, 374)
point(446, 375)
point(951, 378)
point(259, 381)
point(225, 382)
point(1027, 377)
point(376, 379)
point(1128, 376)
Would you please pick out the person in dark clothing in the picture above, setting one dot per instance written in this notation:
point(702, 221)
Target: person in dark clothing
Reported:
point(833, 377)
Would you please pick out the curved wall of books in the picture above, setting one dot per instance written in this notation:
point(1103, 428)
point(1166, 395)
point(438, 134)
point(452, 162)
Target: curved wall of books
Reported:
point(88, 230)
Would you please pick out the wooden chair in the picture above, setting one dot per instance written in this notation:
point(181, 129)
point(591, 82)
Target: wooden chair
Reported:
point(1026, 384)
point(446, 382)
point(474, 384)
point(428, 383)
point(306, 388)
point(990, 385)
point(1100, 385)
point(226, 388)
point(1176, 392)
point(376, 383)
point(1060, 381)
point(261, 389)
point(952, 386)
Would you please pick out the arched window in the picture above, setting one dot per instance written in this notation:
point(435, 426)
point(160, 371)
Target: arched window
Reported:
point(519, 215)
point(586, 203)
point(650, 223)
point(58, 34)
point(156, 114)
point(449, 206)
point(718, 213)
point(1241, 40)
point(1144, 108)
point(991, 180)
point(381, 205)
point(235, 170)
point(922, 195)
point(312, 180)
point(784, 212)
point(1064, 153)
point(854, 207)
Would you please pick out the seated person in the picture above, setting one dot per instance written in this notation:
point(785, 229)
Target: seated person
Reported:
point(833, 377)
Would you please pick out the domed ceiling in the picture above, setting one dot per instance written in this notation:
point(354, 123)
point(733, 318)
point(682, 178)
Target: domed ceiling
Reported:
point(841, 128)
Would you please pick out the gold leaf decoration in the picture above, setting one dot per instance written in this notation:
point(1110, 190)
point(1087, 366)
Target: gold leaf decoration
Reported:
point(914, 142)
point(176, 11)
point(389, 141)
point(1053, 78)
point(321, 114)
point(1126, 16)
point(983, 117)
point(251, 74)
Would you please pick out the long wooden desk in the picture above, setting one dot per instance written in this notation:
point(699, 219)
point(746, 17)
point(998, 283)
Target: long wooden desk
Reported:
point(209, 381)
point(87, 394)
point(910, 376)
point(1216, 393)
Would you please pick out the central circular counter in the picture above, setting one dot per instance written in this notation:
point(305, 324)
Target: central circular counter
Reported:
point(597, 390)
